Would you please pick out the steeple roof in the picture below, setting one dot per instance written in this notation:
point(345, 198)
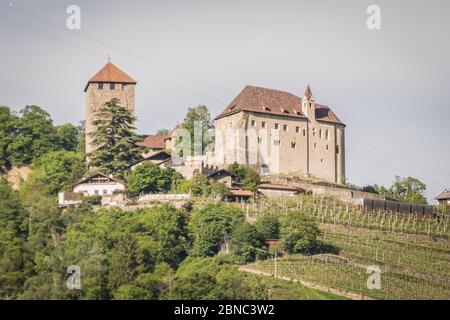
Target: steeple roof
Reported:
point(110, 74)
point(308, 93)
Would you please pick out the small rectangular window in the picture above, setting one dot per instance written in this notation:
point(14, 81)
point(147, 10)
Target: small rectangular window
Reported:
point(263, 124)
point(314, 132)
point(276, 126)
point(276, 142)
point(112, 86)
point(304, 132)
point(320, 133)
point(259, 139)
point(105, 191)
point(315, 145)
point(253, 123)
point(231, 124)
point(327, 147)
point(327, 134)
point(100, 86)
point(293, 145)
point(297, 129)
point(337, 149)
point(95, 192)
point(285, 127)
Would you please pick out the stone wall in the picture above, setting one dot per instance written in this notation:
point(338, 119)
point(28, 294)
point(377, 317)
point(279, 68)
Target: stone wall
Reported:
point(282, 144)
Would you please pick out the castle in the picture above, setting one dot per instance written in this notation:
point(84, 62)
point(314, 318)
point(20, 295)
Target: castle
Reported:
point(273, 131)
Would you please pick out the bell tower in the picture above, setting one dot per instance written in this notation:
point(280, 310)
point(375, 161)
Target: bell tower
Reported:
point(110, 82)
point(309, 104)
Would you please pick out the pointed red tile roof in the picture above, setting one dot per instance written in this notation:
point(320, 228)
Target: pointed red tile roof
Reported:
point(308, 93)
point(111, 74)
point(263, 100)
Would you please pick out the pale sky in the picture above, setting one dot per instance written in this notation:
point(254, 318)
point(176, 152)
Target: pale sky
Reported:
point(390, 86)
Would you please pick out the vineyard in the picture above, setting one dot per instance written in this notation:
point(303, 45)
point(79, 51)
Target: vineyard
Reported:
point(413, 253)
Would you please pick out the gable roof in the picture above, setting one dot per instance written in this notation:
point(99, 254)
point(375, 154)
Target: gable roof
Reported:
point(443, 196)
point(264, 100)
point(97, 174)
point(160, 155)
point(154, 141)
point(240, 193)
point(222, 172)
point(270, 101)
point(276, 187)
point(110, 73)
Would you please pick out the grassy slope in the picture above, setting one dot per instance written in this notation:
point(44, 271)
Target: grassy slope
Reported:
point(284, 290)
point(414, 266)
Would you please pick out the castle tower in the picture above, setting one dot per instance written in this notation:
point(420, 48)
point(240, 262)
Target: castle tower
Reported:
point(110, 82)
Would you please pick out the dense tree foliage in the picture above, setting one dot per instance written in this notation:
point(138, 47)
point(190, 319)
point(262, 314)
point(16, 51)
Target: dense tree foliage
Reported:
point(30, 135)
point(197, 119)
point(246, 176)
point(54, 172)
point(299, 233)
point(13, 231)
point(215, 279)
point(150, 178)
point(114, 139)
point(212, 225)
point(268, 225)
point(248, 243)
point(200, 185)
point(119, 251)
point(408, 189)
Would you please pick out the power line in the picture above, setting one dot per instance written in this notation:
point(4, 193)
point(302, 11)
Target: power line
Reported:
point(402, 158)
point(392, 167)
point(99, 55)
point(93, 39)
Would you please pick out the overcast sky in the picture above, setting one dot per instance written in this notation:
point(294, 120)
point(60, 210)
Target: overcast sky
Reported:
point(390, 86)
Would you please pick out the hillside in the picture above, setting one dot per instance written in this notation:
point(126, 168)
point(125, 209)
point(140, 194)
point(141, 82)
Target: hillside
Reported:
point(412, 253)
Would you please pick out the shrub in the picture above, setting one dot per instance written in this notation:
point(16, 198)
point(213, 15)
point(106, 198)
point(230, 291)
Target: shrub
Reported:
point(298, 233)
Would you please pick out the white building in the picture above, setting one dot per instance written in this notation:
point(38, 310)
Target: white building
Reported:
point(98, 184)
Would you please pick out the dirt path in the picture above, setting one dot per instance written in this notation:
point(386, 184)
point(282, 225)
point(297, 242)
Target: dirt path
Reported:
point(311, 285)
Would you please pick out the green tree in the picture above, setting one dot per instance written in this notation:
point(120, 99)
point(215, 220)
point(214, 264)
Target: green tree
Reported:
point(68, 136)
point(211, 225)
point(55, 171)
point(213, 279)
point(148, 286)
point(246, 176)
point(248, 243)
point(268, 225)
point(197, 118)
point(150, 178)
point(34, 136)
point(298, 232)
point(7, 121)
point(13, 232)
point(409, 189)
point(115, 139)
point(127, 261)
